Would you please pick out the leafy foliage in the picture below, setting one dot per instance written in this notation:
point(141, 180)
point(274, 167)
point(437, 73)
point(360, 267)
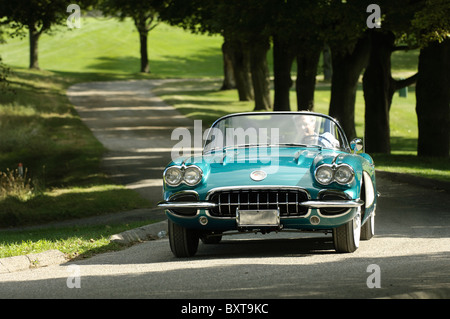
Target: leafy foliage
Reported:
point(432, 23)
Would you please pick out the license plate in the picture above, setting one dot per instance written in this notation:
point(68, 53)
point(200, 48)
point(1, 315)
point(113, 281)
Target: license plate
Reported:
point(258, 217)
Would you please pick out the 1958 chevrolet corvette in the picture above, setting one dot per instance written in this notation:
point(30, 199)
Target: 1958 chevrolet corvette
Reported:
point(271, 171)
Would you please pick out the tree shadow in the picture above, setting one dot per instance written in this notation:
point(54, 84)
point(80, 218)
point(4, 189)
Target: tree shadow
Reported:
point(403, 144)
point(208, 63)
point(42, 208)
point(126, 64)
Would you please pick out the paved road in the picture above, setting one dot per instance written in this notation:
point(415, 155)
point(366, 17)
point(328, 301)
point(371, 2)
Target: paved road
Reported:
point(408, 257)
point(135, 127)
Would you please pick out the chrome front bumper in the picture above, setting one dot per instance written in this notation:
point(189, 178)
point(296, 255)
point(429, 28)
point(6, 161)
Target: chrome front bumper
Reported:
point(310, 203)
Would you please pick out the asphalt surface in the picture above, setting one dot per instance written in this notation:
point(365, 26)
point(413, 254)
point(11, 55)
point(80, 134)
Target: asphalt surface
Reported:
point(409, 257)
point(135, 126)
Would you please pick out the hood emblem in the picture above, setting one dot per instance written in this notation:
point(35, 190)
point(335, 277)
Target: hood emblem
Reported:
point(258, 175)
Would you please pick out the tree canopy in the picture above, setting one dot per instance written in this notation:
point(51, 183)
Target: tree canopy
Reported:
point(296, 30)
point(34, 17)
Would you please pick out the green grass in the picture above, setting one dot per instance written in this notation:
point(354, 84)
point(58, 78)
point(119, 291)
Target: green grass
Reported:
point(76, 242)
point(111, 48)
point(68, 203)
point(39, 127)
point(41, 130)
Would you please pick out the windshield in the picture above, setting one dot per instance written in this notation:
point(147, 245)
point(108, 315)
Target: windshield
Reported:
point(275, 129)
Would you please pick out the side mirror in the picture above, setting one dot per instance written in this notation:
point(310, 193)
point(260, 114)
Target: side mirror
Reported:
point(356, 145)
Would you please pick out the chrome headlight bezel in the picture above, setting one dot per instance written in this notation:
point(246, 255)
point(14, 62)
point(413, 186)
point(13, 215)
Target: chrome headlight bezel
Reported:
point(334, 174)
point(344, 169)
point(198, 174)
point(176, 170)
point(323, 170)
point(184, 172)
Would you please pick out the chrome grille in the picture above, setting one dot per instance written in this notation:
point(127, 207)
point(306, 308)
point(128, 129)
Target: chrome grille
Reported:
point(286, 200)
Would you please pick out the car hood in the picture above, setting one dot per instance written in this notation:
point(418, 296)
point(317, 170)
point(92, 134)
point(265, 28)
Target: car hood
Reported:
point(283, 166)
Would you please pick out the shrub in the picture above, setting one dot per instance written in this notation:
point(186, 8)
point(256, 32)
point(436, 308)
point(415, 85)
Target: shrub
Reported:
point(15, 183)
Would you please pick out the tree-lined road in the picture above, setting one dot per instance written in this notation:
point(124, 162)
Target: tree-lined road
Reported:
point(411, 249)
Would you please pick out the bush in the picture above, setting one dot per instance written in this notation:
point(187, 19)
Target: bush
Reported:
point(15, 183)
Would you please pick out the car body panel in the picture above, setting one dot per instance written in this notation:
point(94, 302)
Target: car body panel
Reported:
point(290, 167)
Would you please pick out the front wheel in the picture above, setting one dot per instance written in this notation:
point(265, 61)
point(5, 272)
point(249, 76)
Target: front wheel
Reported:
point(368, 229)
point(346, 237)
point(183, 241)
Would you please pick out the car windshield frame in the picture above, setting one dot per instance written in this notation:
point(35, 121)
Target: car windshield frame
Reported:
point(287, 125)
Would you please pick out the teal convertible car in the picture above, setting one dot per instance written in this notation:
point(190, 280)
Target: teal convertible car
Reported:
point(270, 172)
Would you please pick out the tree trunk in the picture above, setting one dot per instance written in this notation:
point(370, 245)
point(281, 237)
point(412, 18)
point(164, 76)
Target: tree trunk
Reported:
point(283, 57)
point(242, 73)
point(260, 74)
point(34, 41)
point(327, 66)
point(228, 73)
point(307, 63)
point(433, 100)
point(143, 29)
point(379, 88)
point(344, 82)
point(145, 68)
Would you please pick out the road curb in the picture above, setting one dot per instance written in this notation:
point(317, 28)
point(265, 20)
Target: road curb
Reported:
point(148, 232)
point(55, 257)
point(24, 262)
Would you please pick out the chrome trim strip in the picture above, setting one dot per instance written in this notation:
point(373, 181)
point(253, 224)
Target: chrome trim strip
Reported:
point(333, 204)
point(201, 205)
point(243, 187)
point(181, 193)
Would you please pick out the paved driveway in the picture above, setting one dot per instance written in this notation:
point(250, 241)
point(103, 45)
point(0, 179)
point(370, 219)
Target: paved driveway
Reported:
point(408, 257)
point(135, 126)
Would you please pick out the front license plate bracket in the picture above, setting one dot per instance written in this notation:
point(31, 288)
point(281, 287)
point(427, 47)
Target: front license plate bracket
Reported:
point(258, 218)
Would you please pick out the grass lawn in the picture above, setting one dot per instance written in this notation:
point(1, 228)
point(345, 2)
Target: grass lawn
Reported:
point(105, 49)
point(40, 128)
point(75, 242)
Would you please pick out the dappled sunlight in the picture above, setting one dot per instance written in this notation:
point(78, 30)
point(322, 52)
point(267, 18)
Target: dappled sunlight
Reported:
point(136, 128)
point(134, 117)
point(146, 183)
point(82, 190)
point(122, 108)
point(130, 157)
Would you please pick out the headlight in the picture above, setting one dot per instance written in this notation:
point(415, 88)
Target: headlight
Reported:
point(192, 175)
point(324, 175)
point(173, 176)
point(344, 174)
